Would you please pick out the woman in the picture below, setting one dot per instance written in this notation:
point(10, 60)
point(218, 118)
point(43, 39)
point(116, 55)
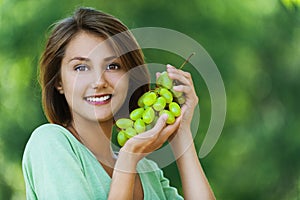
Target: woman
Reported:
point(89, 68)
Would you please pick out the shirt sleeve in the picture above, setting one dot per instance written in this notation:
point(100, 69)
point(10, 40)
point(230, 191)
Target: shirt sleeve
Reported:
point(169, 191)
point(52, 169)
point(158, 183)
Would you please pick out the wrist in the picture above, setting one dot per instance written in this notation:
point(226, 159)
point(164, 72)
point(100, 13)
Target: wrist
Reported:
point(181, 142)
point(126, 162)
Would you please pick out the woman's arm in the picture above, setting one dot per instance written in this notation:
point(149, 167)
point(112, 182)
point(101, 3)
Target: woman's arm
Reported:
point(123, 179)
point(194, 181)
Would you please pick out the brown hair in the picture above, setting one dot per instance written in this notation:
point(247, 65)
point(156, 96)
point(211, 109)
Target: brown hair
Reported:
point(95, 22)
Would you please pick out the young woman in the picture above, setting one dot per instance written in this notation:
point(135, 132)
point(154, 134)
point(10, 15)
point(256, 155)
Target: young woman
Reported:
point(90, 66)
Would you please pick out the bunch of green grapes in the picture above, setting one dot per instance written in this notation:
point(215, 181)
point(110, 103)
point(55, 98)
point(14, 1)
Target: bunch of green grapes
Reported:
point(152, 104)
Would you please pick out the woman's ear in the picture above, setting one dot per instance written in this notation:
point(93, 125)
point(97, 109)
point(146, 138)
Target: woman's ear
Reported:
point(59, 87)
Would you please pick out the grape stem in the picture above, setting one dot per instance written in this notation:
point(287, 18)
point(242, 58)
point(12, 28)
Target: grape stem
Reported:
point(187, 60)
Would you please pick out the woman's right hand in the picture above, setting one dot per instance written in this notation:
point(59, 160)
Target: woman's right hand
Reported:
point(144, 143)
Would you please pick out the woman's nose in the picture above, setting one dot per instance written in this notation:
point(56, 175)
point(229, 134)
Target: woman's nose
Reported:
point(99, 82)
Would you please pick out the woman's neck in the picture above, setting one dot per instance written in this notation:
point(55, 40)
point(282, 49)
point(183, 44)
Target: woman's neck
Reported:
point(96, 136)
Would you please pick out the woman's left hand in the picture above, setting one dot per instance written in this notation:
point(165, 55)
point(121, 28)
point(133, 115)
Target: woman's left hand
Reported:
point(185, 85)
point(183, 136)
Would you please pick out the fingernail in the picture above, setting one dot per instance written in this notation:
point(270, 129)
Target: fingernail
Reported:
point(165, 116)
point(169, 66)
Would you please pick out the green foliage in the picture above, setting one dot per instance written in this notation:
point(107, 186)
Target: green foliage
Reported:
point(255, 45)
point(291, 4)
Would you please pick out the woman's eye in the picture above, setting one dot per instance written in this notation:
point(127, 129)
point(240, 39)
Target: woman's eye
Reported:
point(113, 66)
point(81, 68)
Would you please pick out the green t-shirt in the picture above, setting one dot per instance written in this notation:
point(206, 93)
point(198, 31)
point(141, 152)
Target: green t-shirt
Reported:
point(57, 166)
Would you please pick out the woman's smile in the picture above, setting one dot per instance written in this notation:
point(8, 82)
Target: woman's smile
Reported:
point(98, 99)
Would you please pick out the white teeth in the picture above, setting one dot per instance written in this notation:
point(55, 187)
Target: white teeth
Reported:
point(98, 99)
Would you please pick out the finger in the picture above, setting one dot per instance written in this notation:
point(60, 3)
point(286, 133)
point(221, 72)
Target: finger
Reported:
point(171, 68)
point(182, 74)
point(161, 123)
point(165, 133)
point(170, 129)
point(180, 79)
point(183, 77)
point(189, 92)
point(184, 88)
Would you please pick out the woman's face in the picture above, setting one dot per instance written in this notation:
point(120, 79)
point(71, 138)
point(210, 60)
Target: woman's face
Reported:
point(93, 79)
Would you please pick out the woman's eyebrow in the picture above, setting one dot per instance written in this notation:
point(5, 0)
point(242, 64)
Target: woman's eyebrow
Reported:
point(110, 58)
point(79, 58)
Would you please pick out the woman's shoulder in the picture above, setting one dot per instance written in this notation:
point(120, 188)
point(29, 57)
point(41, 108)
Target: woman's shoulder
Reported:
point(49, 132)
point(49, 128)
point(48, 136)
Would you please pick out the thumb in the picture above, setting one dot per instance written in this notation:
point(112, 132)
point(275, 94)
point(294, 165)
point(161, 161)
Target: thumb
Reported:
point(155, 131)
point(157, 74)
point(161, 123)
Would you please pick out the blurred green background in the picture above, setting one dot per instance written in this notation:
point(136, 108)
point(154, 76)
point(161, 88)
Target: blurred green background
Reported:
point(254, 43)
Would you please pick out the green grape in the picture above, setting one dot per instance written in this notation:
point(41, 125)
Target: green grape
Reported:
point(121, 138)
point(136, 113)
point(156, 90)
point(145, 107)
point(171, 117)
point(152, 124)
point(164, 80)
point(130, 132)
point(148, 115)
point(124, 123)
point(150, 103)
point(149, 98)
point(140, 101)
point(149, 126)
point(176, 93)
point(139, 126)
point(175, 109)
point(166, 94)
point(160, 104)
point(181, 100)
